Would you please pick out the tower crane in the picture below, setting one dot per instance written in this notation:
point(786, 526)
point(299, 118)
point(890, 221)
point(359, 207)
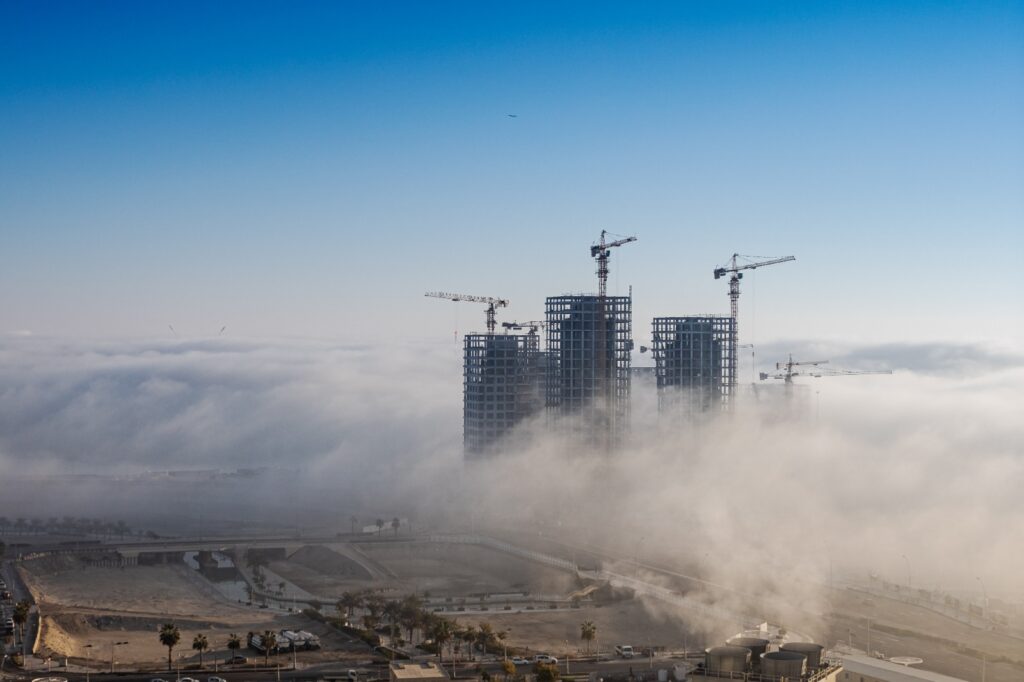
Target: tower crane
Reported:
point(492, 304)
point(814, 369)
point(732, 266)
point(601, 251)
point(734, 281)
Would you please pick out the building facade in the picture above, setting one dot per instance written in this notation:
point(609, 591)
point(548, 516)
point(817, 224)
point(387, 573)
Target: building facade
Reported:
point(502, 385)
point(695, 363)
point(589, 341)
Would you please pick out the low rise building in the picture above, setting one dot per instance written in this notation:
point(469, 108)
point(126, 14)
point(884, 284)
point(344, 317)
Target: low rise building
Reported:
point(416, 672)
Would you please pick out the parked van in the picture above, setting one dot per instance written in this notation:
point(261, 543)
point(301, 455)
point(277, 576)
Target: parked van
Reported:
point(624, 650)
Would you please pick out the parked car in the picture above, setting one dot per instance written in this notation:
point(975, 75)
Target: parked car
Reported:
point(545, 658)
point(215, 679)
point(158, 679)
point(238, 658)
point(519, 660)
point(188, 679)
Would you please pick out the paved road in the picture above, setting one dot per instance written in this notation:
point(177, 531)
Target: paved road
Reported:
point(641, 667)
point(19, 592)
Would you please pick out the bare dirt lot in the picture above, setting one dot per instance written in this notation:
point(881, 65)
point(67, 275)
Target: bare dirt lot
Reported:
point(558, 632)
point(454, 569)
point(83, 605)
point(438, 568)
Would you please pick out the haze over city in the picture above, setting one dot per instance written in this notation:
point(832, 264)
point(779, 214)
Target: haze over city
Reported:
point(218, 224)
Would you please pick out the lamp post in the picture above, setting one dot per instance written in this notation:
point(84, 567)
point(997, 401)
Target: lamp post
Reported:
point(112, 645)
point(88, 661)
point(908, 570)
point(984, 593)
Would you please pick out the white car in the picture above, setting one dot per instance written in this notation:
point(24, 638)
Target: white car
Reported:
point(519, 660)
point(215, 679)
point(188, 679)
point(545, 658)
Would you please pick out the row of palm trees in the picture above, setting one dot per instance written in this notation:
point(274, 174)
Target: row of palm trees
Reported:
point(442, 631)
point(409, 615)
point(170, 637)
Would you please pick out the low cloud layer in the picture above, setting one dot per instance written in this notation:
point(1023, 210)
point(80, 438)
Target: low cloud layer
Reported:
point(858, 472)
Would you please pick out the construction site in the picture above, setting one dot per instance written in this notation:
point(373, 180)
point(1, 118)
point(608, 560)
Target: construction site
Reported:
point(580, 378)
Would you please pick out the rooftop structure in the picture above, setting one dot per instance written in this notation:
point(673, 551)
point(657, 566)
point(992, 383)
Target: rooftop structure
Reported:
point(502, 386)
point(695, 362)
point(426, 670)
point(867, 669)
point(589, 343)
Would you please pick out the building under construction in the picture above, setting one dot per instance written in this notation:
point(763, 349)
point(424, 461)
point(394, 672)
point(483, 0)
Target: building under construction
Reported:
point(695, 362)
point(502, 386)
point(589, 339)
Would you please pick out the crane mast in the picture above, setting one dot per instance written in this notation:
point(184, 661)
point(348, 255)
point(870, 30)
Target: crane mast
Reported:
point(491, 302)
point(601, 252)
point(735, 268)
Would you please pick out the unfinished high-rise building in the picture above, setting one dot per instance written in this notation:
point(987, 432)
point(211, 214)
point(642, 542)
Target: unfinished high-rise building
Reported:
point(589, 343)
point(695, 362)
point(502, 386)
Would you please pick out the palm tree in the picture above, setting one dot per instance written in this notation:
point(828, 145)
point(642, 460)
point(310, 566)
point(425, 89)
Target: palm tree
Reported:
point(468, 636)
point(169, 637)
point(20, 616)
point(392, 609)
point(587, 633)
point(485, 636)
point(380, 526)
point(502, 636)
point(234, 644)
point(395, 523)
point(347, 603)
point(200, 644)
point(269, 642)
point(411, 614)
point(353, 521)
point(441, 630)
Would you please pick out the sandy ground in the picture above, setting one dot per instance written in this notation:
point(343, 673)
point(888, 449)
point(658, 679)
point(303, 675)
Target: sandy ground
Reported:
point(558, 632)
point(85, 606)
point(441, 569)
point(456, 570)
point(902, 630)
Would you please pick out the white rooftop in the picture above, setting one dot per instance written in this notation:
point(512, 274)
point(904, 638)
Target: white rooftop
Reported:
point(892, 672)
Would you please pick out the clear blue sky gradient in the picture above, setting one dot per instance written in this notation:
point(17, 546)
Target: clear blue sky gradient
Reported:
point(310, 169)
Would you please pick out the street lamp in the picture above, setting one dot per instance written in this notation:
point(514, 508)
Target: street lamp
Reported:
point(112, 645)
point(88, 661)
point(908, 570)
point(984, 592)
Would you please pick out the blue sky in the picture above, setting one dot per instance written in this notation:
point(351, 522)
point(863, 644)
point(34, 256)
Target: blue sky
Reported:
point(310, 169)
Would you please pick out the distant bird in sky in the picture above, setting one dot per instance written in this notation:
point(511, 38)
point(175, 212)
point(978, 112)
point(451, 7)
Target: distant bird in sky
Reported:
point(222, 330)
point(171, 327)
point(513, 115)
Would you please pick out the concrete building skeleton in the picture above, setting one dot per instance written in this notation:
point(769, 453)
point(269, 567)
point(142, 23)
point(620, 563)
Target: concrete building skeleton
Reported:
point(589, 341)
point(502, 385)
point(695, 363)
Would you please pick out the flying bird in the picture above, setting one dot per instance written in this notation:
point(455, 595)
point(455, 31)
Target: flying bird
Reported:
point(222, 330)
point(171, 327)
point(512, 115)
